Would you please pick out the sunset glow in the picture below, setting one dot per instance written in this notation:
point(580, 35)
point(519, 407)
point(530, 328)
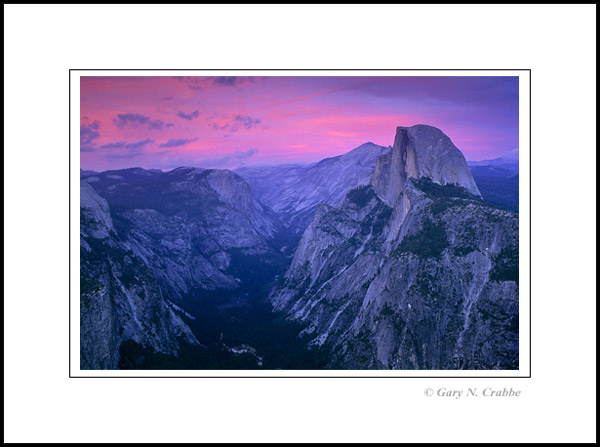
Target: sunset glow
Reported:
point(223, 122)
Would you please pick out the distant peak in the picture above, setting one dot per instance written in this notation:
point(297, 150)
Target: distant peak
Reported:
point(368, 146)
point(183, 167)
point(186, 171)
point(511, 155)
point(186, 168)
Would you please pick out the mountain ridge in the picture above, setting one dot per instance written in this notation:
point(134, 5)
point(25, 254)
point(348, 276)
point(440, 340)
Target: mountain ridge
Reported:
point(364, 250)
point(295, 192)
point(363, 273)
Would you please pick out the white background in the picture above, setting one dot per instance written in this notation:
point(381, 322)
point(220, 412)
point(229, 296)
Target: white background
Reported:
point(43, 42)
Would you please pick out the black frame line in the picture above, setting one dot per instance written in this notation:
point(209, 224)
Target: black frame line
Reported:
point(300, 377)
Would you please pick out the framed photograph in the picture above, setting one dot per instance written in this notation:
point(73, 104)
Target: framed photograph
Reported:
point(300, 223)
point(361, 223)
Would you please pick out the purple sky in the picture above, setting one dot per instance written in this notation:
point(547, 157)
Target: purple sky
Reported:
point(222, 122)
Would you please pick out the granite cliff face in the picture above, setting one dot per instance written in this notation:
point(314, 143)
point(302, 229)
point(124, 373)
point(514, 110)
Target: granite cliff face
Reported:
point(420, 151)
point(120, 296)
point(413, 271)
point(155, 239)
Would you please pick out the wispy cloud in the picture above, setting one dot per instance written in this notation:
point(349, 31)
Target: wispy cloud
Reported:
point(175, 142)
point(139, 144)
point(189, 116)
point(115, 145)
point(224, 80)
point(218, 126)
point(230, 125)
point(127, 155)
point(191, 82)
point(245, 154)
point(300, 98)
point(230, 81)
point(88, 132)
point(247, 121)
point(228, 161)
point(136, 119)
point(122, 150)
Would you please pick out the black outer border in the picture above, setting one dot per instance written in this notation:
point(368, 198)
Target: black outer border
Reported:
point(299, 377)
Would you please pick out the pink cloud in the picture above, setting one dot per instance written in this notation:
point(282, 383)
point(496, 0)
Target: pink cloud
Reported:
point(285, 118)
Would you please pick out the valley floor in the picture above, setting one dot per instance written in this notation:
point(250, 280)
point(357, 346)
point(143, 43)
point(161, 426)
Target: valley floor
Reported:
point(237, 330)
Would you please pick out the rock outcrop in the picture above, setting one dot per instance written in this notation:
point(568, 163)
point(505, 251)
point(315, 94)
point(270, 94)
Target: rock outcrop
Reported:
point(420, 151)
point(120, 296)
point(413, 271)
point(155, 239)
point(94, 212)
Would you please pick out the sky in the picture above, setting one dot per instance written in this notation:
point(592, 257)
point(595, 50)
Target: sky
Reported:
point(164, 122)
